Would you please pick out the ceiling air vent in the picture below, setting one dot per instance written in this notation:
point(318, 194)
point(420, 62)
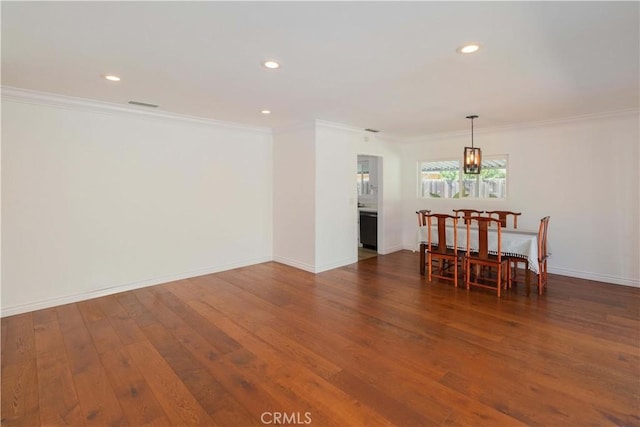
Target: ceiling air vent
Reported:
point(372, 130)
point(143, 104)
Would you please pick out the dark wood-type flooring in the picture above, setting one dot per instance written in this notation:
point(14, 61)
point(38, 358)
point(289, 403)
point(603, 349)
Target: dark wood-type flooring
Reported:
point(368, 344)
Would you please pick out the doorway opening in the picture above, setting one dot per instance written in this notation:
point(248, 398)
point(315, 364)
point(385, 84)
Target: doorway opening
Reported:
point(369, 179)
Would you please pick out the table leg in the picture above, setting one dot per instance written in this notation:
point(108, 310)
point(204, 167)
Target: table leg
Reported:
point(422, 260)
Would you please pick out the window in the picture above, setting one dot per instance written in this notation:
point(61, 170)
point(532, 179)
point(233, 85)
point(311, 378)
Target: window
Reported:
point(364, 188)
point(440, 179)
point(445, 180)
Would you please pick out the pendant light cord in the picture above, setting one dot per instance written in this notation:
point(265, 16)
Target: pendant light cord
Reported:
point(472, 117)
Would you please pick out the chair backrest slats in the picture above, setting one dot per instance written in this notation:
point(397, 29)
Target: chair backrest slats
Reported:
point(466, 213)
point(481, 225)
point(441, 227)
point(542, 238)
point(483, 239)
point(442, 235)
point(504, 215)
point(422, 219)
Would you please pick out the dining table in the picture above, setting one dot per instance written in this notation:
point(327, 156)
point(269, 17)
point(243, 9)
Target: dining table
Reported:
point(515, 243)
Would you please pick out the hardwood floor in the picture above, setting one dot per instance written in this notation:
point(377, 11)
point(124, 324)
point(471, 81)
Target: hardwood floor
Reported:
point(368, 344)
point(364, 253)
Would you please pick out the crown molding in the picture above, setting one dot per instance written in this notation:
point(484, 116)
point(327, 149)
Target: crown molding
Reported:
point(382, 136)
point(519, 126)
point(89, 105)
point(339, 126)
point(313, 124)
point(308, 125)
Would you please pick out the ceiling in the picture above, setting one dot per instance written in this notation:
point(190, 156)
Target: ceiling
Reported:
point(390, 66)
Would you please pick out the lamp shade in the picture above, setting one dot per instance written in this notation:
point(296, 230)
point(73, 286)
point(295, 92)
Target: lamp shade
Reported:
point(472, 160)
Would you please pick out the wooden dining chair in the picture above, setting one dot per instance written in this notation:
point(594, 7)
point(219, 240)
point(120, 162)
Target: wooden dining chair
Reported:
point(443, 258)
point(503, 216)
point(542, 254)
point(422, 217)
point(466, 213)
point(484, 269)
point(422, 222)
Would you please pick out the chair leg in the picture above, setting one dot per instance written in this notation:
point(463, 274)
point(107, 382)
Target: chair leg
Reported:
point(540, 282)
point(455, 273)
point(514, 266)
point(467, 267)
point(542, 276)
point(539, 278)
point(423, 248)
point(513, 271)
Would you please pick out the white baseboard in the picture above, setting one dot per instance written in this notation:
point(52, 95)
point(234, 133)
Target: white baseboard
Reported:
point(391, 249)
point(293, 263)
point(577, 274)
point(338, 264)
point(596, 277)
point(311, 268)
point(68, 299)
point(414, 248)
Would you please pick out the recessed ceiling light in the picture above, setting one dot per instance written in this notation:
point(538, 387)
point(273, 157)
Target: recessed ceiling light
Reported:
point(271, 64)
point(266, 111)
point(112, 78)
point(468, 48)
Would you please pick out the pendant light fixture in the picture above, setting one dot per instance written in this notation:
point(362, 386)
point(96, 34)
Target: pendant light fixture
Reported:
point(472, 156)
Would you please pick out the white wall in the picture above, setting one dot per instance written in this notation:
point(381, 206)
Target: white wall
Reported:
point(98, 199)
point(336, 198)
point(96, 202)
point(390, 202)
point(315, 195)
point(343, 145)
point(294, 205)
point(583, 173)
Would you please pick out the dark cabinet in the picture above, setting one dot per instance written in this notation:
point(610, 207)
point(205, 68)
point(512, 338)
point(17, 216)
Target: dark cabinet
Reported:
point(369, 230)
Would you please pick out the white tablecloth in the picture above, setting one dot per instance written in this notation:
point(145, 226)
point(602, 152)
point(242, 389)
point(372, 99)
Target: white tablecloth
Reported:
point(515, 243)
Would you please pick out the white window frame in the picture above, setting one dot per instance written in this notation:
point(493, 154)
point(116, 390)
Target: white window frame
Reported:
point(460, 178)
